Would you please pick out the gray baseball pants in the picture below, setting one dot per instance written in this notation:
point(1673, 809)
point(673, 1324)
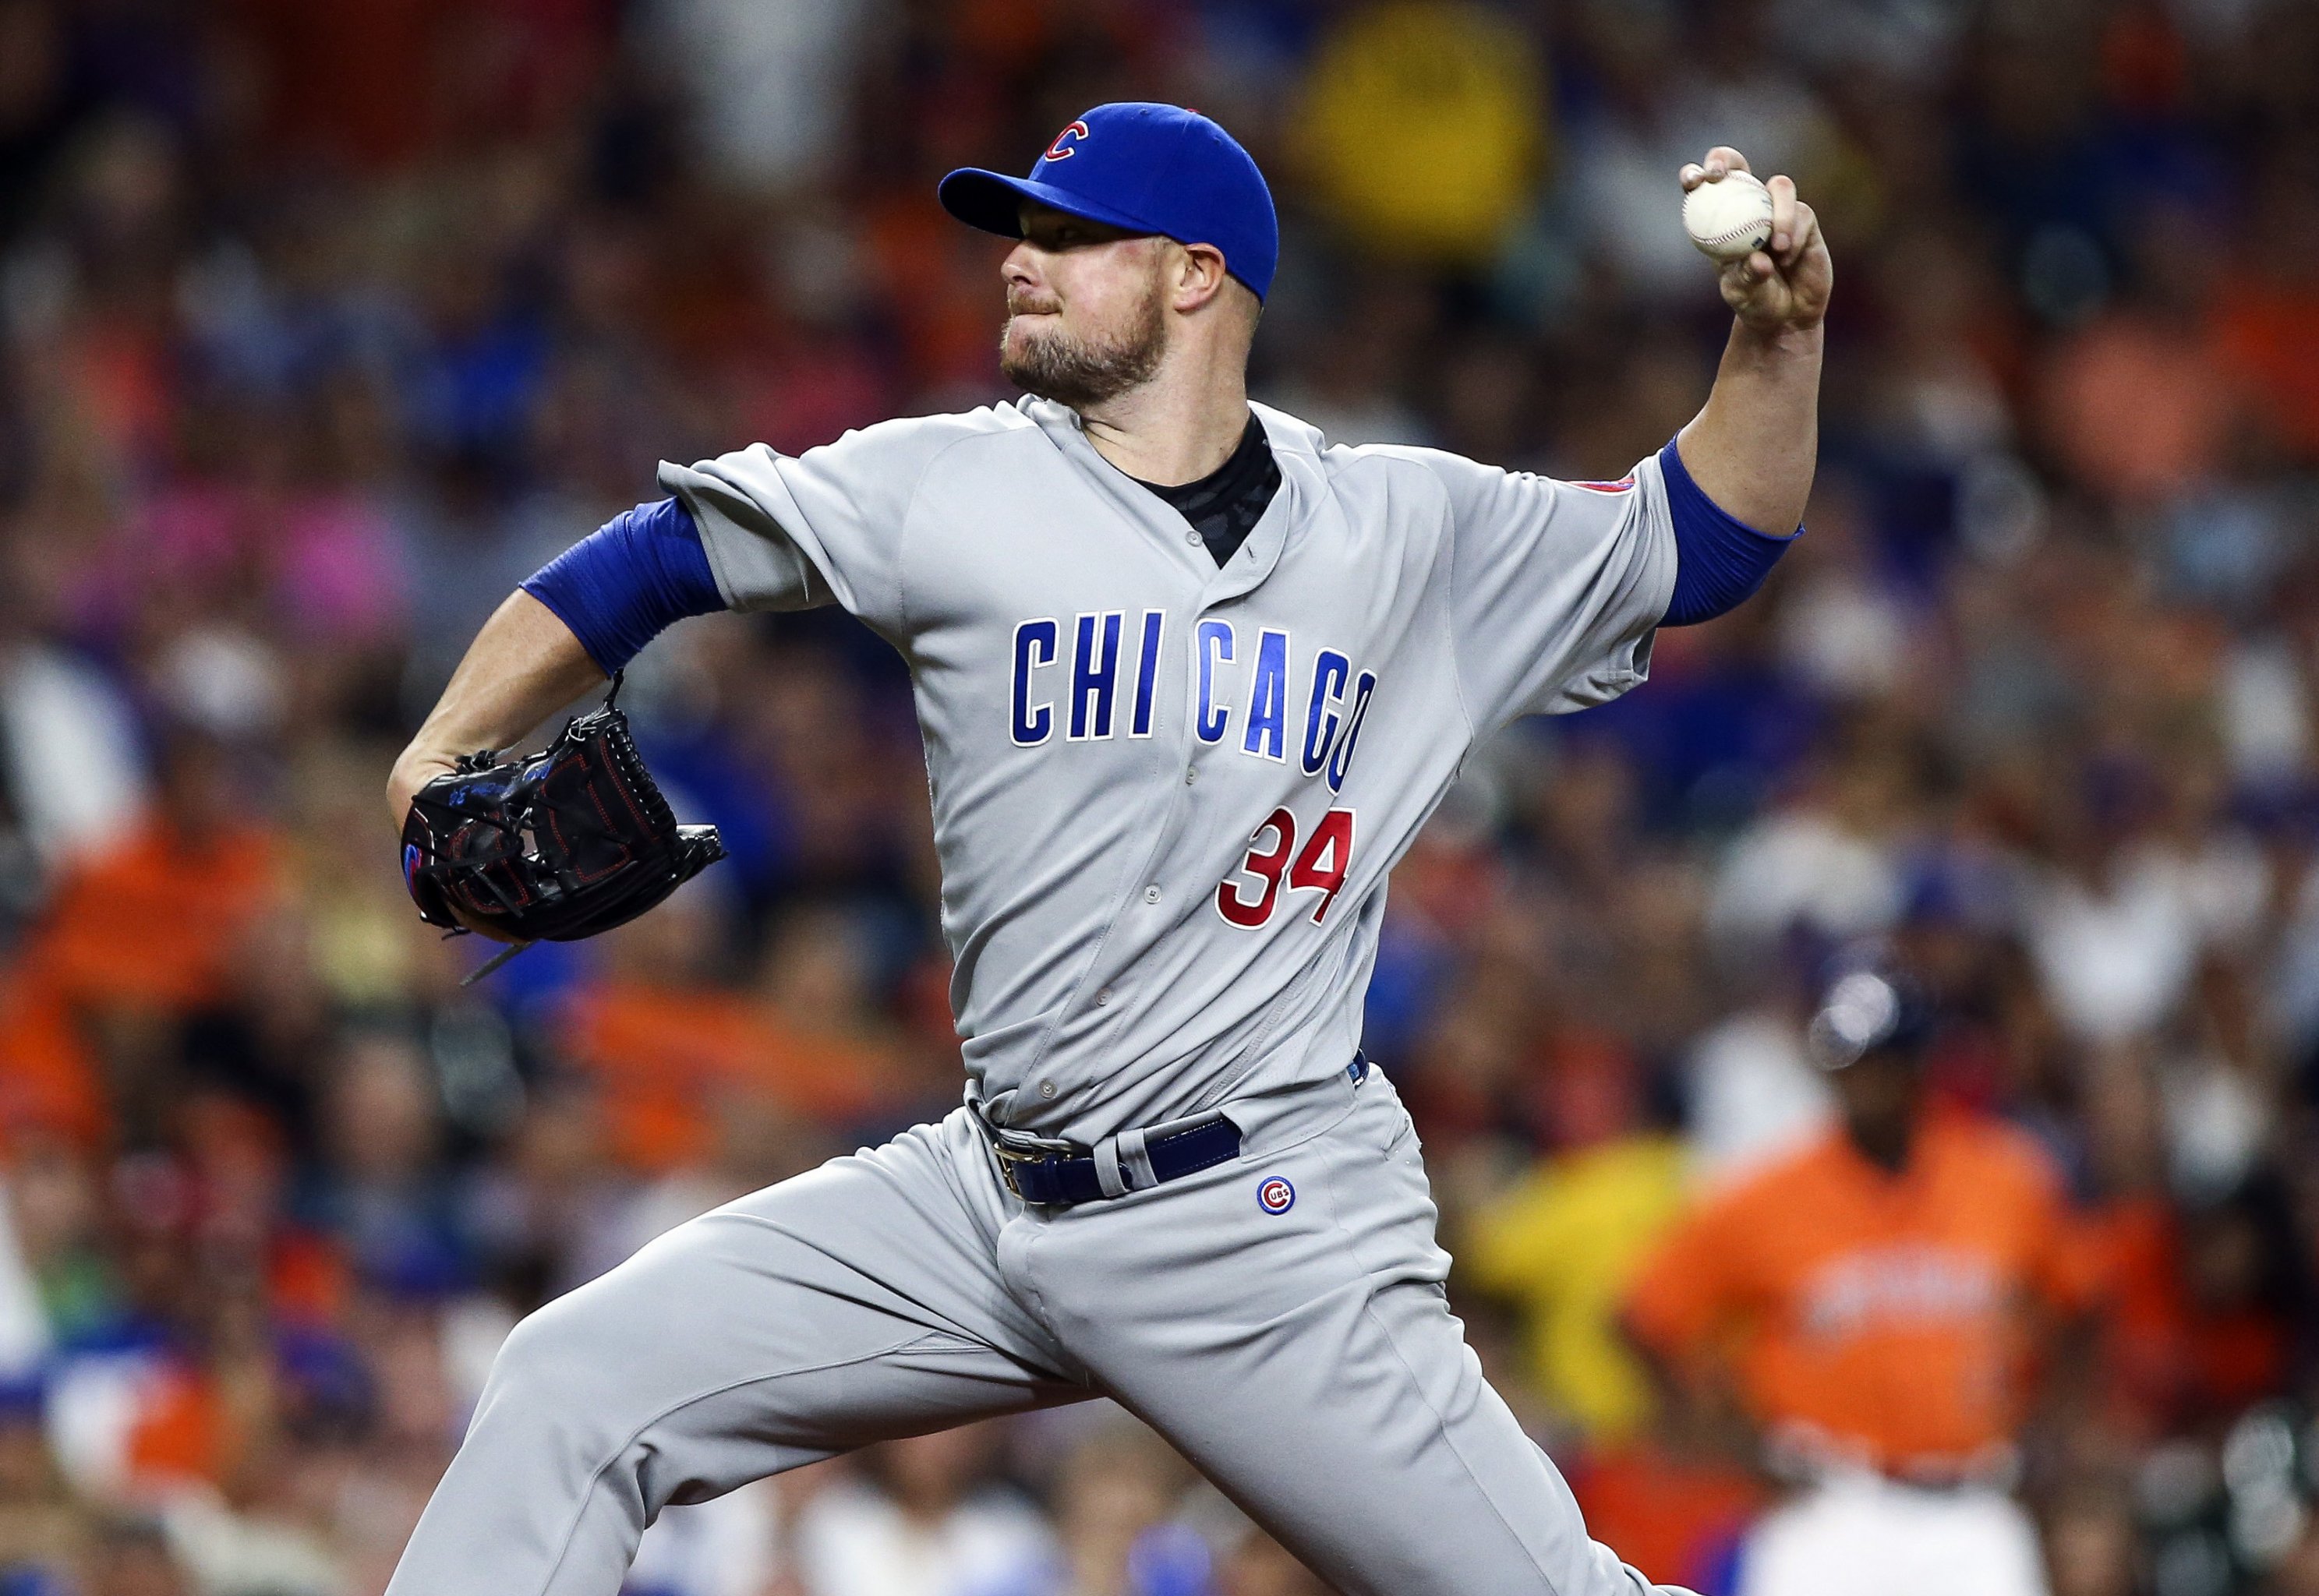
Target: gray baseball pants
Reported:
point(1305, 1360)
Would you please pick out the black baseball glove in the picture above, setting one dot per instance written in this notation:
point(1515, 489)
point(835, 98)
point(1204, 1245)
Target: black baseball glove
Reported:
point(553, 848)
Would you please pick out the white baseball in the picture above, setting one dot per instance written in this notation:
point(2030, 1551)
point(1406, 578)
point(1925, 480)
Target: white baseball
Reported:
point(1728, 219)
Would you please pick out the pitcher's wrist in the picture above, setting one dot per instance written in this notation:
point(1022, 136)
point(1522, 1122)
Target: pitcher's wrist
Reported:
point(1783, 340)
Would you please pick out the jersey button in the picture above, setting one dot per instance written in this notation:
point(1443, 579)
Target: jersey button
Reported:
point(1103, 997)
point(1151, 895)
point(1193, 538)
point(1046, 1089)
point(1191, 775)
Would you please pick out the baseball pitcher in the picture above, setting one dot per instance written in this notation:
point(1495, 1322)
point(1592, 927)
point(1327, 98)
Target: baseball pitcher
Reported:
point(1190, 679)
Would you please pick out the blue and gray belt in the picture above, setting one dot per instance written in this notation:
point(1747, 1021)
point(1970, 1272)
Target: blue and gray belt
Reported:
point(1059, 1174)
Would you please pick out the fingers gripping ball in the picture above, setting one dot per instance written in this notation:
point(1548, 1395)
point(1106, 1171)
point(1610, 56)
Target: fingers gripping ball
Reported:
point(559, 846)
point(1730, 219)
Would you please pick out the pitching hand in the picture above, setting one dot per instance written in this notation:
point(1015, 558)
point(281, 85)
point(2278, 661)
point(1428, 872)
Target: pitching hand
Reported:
point(1786, 286)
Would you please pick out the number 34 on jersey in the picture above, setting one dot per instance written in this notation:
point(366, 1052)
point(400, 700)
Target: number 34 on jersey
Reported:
point(1275, 861)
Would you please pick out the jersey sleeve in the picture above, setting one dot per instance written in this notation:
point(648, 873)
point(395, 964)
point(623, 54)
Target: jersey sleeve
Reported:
point(1556, 588)
point(794, 532)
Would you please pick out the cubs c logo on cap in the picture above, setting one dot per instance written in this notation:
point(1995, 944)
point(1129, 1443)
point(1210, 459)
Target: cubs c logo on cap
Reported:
point(1276, 1195)
point(1147, 168)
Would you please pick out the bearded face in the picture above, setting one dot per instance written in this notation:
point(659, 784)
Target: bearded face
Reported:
point(1090, 331)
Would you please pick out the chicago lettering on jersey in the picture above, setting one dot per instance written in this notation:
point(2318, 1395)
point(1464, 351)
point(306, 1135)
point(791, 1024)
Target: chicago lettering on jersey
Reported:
point(1096, 674)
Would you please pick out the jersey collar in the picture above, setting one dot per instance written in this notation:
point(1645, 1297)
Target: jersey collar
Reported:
point(1257, 556)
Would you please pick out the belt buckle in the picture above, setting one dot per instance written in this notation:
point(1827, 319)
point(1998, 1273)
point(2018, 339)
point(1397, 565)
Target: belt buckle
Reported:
point(1012, 1148)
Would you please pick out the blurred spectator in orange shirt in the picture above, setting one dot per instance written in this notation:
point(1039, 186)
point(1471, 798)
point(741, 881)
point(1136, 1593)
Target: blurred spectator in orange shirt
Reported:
point(2266, 317)
point(1673, 1504)
point(2201, 1281)
point(1873, 1294)
point(155, 921)
point(2196, 1324)
point(669, 1046)
point(2138, 410)
point(139, 936)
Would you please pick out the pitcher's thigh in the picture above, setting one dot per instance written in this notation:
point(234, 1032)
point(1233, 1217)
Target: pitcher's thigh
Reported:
point(1366, 1438)
point(854, 1303)
point(821, 1313)
point(1282, 1321)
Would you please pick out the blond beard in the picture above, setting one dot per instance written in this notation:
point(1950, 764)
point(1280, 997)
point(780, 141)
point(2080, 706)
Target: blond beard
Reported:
point(1080, 372)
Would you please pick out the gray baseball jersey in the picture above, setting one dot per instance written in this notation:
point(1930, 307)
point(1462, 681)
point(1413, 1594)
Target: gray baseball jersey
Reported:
point(1166, 796)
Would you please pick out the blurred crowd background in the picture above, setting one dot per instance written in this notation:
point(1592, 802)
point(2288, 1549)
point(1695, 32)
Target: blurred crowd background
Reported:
point(323, 325)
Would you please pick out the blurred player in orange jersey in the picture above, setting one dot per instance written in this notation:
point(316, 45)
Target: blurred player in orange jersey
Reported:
point(1876, 1296)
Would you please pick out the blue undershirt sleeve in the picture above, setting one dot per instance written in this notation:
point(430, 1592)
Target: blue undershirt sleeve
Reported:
point(1719, 560)
point(628, 581)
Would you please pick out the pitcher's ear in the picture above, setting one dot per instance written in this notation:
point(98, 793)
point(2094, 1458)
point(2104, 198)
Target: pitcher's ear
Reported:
point(1200, 274)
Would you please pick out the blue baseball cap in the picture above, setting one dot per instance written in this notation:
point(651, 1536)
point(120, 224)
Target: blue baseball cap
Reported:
point(1147, 168)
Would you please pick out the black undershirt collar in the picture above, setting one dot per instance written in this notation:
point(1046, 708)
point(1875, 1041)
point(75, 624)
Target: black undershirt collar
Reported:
point(1225, 506)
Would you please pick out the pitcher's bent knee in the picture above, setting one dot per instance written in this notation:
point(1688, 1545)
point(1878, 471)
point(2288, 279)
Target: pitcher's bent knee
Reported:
point(556, 1375)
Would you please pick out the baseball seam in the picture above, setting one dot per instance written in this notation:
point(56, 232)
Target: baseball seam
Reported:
point(1737, 230)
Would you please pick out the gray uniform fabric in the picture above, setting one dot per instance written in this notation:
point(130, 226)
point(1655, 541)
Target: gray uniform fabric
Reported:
point(1119, 738)
point(1096, 984)
point(1305, 1360)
